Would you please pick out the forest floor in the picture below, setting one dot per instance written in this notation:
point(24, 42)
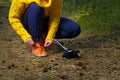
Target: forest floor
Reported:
point(100, 57)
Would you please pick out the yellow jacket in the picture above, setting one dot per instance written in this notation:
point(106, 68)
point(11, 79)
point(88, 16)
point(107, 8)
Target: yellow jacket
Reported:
point(52, 8)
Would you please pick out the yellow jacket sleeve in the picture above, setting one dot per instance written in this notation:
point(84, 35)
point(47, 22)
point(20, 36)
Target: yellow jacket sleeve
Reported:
point(16, 11)
point(54, 19)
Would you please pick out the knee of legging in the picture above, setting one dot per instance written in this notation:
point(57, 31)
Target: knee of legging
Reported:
point(35, 8)
point(76, 31)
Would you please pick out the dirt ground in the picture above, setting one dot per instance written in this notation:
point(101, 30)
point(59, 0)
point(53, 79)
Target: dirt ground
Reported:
point(100, 57)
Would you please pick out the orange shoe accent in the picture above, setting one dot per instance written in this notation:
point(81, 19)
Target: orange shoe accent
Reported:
point(39, 51)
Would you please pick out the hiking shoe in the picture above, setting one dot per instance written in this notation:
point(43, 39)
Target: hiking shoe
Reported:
point(39, 51)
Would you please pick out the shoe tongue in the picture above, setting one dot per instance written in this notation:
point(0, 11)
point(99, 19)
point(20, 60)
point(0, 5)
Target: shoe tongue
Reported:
point(36, 45)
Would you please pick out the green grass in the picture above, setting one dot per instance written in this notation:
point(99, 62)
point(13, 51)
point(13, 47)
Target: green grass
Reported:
point(4, 1)
point(95, 15)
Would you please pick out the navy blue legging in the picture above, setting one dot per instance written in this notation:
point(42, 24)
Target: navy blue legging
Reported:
point(34, 22)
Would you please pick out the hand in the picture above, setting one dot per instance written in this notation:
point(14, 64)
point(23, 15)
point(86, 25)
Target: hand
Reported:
point(47, 43)
point(29, 41)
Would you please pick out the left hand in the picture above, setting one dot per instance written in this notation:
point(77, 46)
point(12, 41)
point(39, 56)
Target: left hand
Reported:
point(47, 43)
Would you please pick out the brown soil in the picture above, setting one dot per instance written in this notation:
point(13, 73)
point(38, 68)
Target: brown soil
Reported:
point(100, 58)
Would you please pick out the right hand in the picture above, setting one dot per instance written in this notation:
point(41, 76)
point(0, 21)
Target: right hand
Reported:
point(29, 41)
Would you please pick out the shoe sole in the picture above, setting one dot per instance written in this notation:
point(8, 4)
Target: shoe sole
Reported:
point(40, 55)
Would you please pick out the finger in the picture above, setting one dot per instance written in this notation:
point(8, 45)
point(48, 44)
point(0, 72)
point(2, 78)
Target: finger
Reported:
point(32, 43)
point(46, 44)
